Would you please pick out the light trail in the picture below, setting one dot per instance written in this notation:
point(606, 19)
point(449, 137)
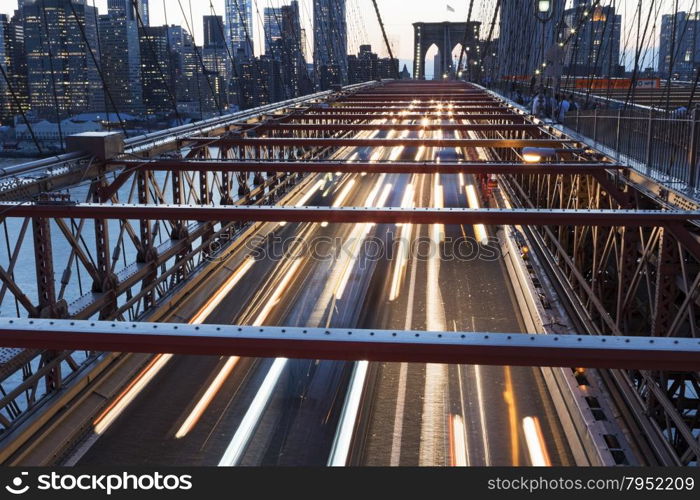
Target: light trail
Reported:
point(482, 414)
point(246, 428)
point(122, 401)
point(357, 238)
point(207, 397)
point(535, 442)
point(473, 201)
point(112, 412)
point(275, 298)
point(244, 433)
point(216, 299)
point(509, 397)
point(234, 450)
point(458, 442)
point(348, 418)
point(404, 247)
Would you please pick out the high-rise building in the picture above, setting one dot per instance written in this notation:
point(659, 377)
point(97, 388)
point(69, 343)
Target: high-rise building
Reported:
point(330, 42)
point(173, 75)
point(120, 55)
point(295, 78)
point(304, 41)
point(367, 66)
point(5, 96)
point(257, 81)
point(679, 46)
point(594, 40)
point(272, 27)
point(158, 69)
point(62, 77)
point(214, 32)
point(525, 39)
point(189, 89)
point(216, 62)
point(13, 92)
point(361, 66)
point(239, 26)
point(143, 12)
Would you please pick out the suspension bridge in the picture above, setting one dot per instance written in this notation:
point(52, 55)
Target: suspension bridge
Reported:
point(375, 275)
point(394, 272)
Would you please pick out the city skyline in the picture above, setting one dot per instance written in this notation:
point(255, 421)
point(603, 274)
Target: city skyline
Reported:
point(397, 17)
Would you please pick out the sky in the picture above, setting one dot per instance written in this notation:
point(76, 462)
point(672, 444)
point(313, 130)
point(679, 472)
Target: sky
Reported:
point(398, 16)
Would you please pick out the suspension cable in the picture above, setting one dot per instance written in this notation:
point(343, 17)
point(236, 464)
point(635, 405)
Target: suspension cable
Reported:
point(395, 67)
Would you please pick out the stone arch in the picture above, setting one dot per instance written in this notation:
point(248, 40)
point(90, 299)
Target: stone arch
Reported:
point(446, 36)
point(429, 56)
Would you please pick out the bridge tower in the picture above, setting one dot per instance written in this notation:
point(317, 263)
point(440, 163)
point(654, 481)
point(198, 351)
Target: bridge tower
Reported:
point(446, 36)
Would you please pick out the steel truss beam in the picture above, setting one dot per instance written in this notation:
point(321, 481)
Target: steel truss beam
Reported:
point(351, 215)
point(373, 345)
point(453, 96)
point(391, 106)
point(574, 168)
point(409, 116)
point(282, 142)
point(627, 282)
point(483, 108)
point(399, 127)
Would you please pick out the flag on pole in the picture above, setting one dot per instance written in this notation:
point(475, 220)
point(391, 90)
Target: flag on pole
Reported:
point(449, 8)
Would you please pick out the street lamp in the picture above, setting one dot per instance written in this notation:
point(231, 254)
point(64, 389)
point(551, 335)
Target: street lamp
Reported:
point(536, 155)
point(532, 154)
point(544, 12)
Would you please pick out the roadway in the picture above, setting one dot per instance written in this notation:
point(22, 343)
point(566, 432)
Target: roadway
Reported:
point(197, 410)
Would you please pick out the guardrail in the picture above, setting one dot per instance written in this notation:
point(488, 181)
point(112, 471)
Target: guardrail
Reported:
point(665, 148)
point(661, 145)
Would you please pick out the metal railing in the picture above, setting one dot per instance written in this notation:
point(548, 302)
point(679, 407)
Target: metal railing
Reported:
point(659, 144)
point(662, 147)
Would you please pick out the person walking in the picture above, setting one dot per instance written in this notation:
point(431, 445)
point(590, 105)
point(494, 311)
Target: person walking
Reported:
point(572, 103)
point(564, 106)
point(519, 99)
point(538, 105)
